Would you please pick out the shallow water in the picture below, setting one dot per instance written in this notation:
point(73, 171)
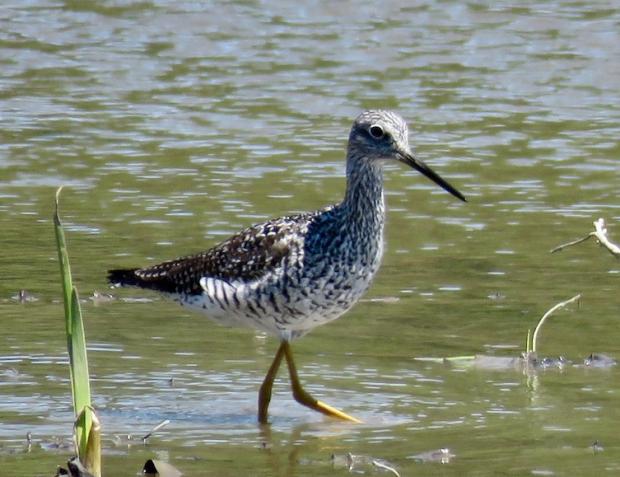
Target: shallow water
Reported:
point(174, 124)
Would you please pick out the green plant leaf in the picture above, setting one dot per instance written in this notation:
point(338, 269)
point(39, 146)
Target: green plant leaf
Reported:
point(63, 260)
point(87, 427)
point(80, 380)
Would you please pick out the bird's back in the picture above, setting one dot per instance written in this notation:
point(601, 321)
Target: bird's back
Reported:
point(283, 276)
point(247, 256)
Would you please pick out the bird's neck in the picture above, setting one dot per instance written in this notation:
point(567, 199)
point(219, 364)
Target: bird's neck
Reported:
point(363, 201)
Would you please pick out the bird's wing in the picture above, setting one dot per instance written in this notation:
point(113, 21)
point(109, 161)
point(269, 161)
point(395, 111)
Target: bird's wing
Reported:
point(246, 256)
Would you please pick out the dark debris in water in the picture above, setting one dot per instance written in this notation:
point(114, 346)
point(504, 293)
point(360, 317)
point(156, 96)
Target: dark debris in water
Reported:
point(24, 296)
point(162, 469)
point(599, 360)
point(74, 469)
point(597, 447)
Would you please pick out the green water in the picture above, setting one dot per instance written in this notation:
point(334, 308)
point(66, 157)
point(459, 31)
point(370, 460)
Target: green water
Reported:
point(174, 124)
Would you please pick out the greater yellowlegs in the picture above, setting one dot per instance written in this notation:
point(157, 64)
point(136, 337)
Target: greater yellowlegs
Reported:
point(288, 275)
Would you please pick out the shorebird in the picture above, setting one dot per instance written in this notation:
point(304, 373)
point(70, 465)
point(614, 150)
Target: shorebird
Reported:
point(289, 275)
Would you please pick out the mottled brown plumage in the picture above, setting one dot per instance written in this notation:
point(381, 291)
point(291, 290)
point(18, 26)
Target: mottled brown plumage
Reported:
point(246, 256)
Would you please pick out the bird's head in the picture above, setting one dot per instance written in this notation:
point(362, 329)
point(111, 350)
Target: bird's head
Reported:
point(383, 135)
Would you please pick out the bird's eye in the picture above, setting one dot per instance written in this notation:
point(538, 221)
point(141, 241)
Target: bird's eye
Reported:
point(376, 131)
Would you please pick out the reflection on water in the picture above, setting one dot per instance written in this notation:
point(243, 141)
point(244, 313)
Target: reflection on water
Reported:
point(175, 124)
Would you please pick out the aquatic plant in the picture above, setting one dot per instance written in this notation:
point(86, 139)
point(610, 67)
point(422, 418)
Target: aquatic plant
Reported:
point(528, 358)
point(532, 340)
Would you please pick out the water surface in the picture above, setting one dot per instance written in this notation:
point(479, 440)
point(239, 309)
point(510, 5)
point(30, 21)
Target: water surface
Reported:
point(174, 124)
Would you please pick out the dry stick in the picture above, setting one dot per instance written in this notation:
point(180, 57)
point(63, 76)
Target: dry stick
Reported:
point(600, 233)
point(559, 248)
point(546, 315)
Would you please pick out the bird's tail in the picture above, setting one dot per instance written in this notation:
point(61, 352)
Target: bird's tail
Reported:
point(124, 277)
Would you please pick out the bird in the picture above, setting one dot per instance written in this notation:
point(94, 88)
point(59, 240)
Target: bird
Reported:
point(288, 275)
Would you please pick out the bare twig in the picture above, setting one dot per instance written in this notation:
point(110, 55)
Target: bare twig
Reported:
point(559, 248)
point(600, 233)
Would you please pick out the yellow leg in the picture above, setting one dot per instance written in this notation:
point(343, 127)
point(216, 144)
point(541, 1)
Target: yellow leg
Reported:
point(301, 395)
point(264, 394)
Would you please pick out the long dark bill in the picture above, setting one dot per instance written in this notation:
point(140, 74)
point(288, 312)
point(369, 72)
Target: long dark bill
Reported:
point(422, 168)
